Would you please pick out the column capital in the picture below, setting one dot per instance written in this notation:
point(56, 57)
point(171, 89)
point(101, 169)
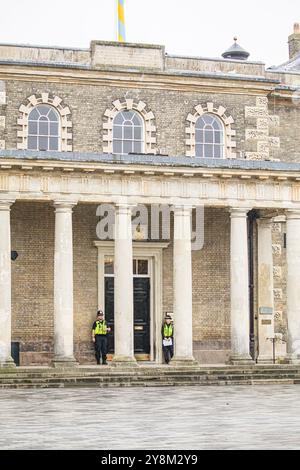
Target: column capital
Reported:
point(64, 206)
point(292, 214)
point(124, 207)
point(5, 204)
point(265, 222)
point(183, 210)
point(239, 212)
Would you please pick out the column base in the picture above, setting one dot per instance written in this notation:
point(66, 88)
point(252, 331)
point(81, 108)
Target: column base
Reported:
point(243, 360)
point(290, 359)
point(178, 361)
point(124, 361)
point(64, 362)
point(265, 360)
point(8, 363)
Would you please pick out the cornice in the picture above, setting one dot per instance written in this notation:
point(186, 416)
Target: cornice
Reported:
point(10, 166)
point(146, 80)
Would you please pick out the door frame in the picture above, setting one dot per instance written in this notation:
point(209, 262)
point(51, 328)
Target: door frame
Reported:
point(154, 252)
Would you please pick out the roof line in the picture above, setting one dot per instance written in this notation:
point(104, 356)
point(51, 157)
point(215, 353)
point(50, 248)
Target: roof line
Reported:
point(34, 46)
point(151, 160)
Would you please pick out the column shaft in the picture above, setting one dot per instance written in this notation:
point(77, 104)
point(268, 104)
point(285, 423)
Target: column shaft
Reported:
point(182, 284)
point(63, 286)
point(240, 323)
point(5, 285)
point(265, 291)
point(123, 287)
point(293, 290)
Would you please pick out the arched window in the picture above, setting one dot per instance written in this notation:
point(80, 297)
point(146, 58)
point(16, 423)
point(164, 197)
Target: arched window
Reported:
point(43, 128)
point(128, 133)
point(209, 137)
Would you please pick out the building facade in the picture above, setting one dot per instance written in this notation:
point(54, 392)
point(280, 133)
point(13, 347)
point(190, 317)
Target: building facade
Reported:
point(93, 138)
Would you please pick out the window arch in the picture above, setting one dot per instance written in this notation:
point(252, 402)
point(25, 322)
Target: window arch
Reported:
point(209, 137)
point(131, 122)
point(45, 124)
point(128, 133)
point(210, 133)
point(43, 128)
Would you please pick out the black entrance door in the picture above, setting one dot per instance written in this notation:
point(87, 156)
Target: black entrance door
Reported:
point(141, 287)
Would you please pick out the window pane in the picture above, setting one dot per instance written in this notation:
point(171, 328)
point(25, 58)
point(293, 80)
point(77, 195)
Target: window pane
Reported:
point(138, 133)
point(43, 128)
point(142, 266)
point(137, 147)
point(127, 115)
point(53, 143)
point(208, 151)
point(218, 137)
point(32, 143)
point(119, 119)
point(34, 115)
point(117, 146)
point(217, 125)
point(200, 123)
point(54, 128)
point(44, 110)
point(208, 119)
point(199, 136)
point(52, 116)
point(108, 265)
point(32, 128)
point(127, 146)
point(134, 266)
point(136, 120)
point(128, 132)
point(209, 137)
point(117, 132)
point(43, 143)
point(217, 151)
point(199, 150)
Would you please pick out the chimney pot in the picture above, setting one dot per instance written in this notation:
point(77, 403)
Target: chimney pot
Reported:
point(296, 28)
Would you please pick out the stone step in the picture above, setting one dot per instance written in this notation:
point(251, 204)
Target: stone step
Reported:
point(134, 372)
point(146, 384)
point(145, 380)
point(150, 375)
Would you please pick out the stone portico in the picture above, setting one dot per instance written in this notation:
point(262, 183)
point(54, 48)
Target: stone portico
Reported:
point(128, 126)
point(59, 188)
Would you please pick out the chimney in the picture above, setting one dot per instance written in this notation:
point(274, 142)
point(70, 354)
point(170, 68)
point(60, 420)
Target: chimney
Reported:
point(294, 41)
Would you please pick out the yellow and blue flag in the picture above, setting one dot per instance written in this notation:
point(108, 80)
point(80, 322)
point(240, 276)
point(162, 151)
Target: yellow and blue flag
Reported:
point(121, 21)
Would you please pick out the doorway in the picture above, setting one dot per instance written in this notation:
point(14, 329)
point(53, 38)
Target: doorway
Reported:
point(141, 302)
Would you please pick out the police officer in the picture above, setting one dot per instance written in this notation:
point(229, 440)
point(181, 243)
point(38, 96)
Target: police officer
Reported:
point(167, 332)
point(99, 336)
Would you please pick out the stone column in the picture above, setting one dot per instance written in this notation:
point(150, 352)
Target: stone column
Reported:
point(239, 274)
point(63, 286)
point(5, 285)
point(293, 287)
point(182, 286)
point(123, 288)
point(265, 291)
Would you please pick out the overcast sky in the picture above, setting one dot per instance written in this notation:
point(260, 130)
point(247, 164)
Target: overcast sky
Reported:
point(190, 27)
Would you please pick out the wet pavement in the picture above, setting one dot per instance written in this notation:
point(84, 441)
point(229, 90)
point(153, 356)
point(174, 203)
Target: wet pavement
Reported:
point(258, 417)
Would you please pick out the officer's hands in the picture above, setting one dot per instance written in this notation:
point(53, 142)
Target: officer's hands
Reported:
point(93, 340)
point(109, 328)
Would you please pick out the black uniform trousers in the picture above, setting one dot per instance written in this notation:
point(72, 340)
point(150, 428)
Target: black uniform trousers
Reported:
point(168, 353)
point(101, 348)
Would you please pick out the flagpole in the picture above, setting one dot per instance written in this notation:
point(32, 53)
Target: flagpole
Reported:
point(121, 21)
